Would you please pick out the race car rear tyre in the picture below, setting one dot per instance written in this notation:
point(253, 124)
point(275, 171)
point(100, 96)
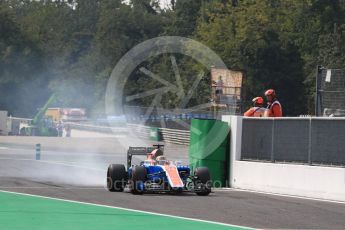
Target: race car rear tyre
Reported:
point(116, 177)
point(139, 175)
point(203, 180)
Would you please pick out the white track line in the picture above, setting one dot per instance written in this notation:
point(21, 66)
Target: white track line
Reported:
point(59, 188)
point(127, 209)
point(281, 195)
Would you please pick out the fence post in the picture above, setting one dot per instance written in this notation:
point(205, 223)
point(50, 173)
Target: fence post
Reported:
point(38, 151)
point(309, 143)
point(318, 95)
point(272, 144)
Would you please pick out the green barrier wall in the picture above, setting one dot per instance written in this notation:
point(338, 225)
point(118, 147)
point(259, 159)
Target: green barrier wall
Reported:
point(209, 146)
point(155, 135)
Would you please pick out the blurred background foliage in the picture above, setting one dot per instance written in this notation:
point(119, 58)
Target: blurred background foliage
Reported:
point(70, 48)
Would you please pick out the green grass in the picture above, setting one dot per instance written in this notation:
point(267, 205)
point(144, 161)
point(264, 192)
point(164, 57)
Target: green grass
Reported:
point(27, 212)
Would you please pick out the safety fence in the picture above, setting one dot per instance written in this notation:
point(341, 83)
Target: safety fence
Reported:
point(310, 141)
point(330, 92)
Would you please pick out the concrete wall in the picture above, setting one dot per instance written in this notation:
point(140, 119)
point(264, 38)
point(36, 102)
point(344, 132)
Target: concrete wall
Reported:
point(309, 181)
point(290, 179)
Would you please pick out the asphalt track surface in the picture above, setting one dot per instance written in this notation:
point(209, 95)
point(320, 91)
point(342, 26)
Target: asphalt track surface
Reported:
point(79, 174)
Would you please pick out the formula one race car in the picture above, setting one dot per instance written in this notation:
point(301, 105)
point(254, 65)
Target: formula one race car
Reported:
point(156, 175)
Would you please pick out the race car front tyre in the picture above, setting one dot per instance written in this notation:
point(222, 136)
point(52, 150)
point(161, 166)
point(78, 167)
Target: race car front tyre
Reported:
point(138, 179)
point(202, 181)
point(116, 177)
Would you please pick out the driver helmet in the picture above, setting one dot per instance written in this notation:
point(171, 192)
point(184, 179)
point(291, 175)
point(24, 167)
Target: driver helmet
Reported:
point(161, 160)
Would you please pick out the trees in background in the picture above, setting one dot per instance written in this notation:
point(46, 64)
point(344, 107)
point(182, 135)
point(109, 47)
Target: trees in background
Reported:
point(70, 47)
point(255, 36)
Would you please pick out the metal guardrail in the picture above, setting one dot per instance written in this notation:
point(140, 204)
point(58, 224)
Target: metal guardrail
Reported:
point(102, 129)
point(140, 130)
point(174, 136)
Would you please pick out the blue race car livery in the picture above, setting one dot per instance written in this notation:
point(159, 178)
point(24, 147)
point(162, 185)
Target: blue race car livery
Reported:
point(156, 174)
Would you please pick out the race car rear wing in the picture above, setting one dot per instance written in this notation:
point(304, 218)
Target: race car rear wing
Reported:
point(140, 151)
